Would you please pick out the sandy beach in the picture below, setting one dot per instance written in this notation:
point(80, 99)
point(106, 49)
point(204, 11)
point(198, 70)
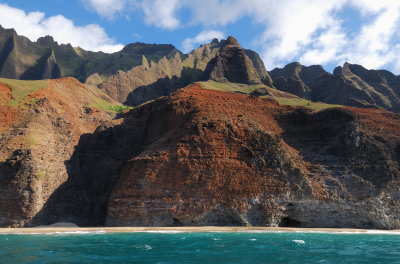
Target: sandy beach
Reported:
point(46, 230)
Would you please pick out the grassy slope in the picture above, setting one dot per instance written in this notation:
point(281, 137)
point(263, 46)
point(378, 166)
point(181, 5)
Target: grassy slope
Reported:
point(281, 97)
point(20, 90)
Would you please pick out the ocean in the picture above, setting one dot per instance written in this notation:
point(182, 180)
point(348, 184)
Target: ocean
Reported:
point(182, 247)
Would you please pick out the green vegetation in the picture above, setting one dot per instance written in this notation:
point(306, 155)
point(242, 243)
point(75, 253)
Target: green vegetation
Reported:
point(31, 140)
point(119, 108)
point(247, 89)
point(304, 103)
point(231, 87)
point(41, 174)
point(95, 79)
point(21, 89)
point(102, 104)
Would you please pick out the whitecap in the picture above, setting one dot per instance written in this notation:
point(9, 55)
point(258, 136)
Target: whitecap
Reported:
point(299, 241)
point(144, 247)
point(147, 247)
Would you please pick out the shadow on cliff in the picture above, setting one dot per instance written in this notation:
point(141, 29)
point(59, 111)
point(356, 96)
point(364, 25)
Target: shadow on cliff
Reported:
point(98, 161)
point(92, 172)
point(334, 139)
point(163, 87)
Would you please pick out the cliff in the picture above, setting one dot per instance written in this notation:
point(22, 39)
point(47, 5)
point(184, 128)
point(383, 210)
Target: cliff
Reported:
point(204, 157)
point(41, 122)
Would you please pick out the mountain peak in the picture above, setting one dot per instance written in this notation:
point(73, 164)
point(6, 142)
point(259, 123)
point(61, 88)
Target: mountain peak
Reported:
point(232, 41)
point(215, 41)
point(47, 41)
point(232, 64)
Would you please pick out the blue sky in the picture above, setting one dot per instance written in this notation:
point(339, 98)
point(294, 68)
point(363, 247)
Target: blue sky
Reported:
point(309, 31)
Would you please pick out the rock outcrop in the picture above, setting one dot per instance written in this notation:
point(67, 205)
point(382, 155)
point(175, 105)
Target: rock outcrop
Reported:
point(203, 157)
point(296, 79)
point(232, 64)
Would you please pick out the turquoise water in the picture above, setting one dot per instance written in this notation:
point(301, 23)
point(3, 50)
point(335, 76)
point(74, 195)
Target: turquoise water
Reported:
point(200, 248)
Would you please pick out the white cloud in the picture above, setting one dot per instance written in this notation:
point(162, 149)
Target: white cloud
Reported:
point(373, 47)
point(326, 47)
point(34, 25)
point(106, 8)
point(203, 37)
point(161, 13)
point(311, 31)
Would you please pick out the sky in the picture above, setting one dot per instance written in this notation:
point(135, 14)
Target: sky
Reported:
point(326, 32)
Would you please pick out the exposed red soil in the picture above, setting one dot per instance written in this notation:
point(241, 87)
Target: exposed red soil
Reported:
point(7, 114)
point(380, 122)
point(5, 93)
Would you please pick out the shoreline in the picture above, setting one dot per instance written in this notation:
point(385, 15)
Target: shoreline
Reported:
point(191, 229)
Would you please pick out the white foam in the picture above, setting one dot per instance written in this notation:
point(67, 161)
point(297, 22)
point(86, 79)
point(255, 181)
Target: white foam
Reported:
point(165, 231)
point(263, 231)
point(299, 241)
point(62, 233)
point(352, 232)
point(383, 232)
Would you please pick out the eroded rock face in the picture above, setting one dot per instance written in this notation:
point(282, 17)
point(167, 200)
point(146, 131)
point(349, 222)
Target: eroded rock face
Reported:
point(37, 137)
point(296, 79)
point(146, 82)
point(356, 86)
point(232, 64)
point(247, 161)
point(202, 157)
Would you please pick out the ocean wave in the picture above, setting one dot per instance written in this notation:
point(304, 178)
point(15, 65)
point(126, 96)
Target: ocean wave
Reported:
point(144, 247)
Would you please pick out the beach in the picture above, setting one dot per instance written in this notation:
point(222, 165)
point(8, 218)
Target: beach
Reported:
point(190, 229)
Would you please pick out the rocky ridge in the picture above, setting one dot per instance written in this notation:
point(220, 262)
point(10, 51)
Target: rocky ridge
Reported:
point(23, 59)
point(350, 85)
point(151, 80)
point(353, 85)
point(296, 79)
